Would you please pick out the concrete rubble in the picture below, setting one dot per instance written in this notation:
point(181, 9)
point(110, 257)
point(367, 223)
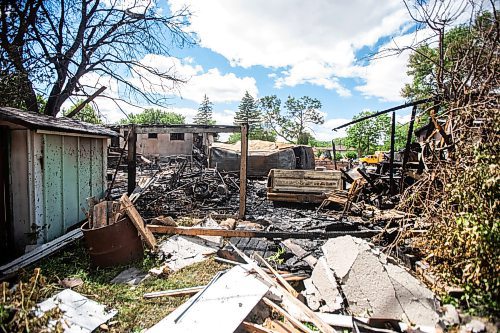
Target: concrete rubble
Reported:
point(182, 251)
point(321, 289)
point(374, 287)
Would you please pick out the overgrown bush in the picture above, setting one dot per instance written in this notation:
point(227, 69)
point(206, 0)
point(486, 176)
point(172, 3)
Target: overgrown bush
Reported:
point(458, 196)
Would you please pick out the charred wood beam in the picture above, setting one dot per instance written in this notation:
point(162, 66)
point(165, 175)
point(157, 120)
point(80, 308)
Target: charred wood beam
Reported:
point(132, 160)
point(334, 155)
point(163, 129)
point(243, 170)
point(391, 157)
point(110, 188)
point(407, 146)
point(346, 176)
point(193, 231)
point(367, 177)
point(399, 107)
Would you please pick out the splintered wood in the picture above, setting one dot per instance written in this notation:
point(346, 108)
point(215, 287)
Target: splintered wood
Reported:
point(137, 220)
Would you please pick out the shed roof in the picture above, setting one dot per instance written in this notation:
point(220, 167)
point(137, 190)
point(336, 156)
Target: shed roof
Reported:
point(34, 120)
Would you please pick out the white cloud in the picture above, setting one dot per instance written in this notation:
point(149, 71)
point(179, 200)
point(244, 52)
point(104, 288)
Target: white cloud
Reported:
point(315, 42)
point(217, 86)
point(384, 77)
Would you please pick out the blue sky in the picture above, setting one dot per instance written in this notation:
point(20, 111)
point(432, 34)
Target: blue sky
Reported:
point(317, 48)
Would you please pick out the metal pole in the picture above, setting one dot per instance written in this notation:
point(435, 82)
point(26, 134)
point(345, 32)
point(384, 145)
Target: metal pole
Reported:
point(399, 107)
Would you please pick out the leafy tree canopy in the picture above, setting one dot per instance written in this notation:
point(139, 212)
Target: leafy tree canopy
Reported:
point(154, 116)
point(293, 124)
point(87, 114)
point(368, 134)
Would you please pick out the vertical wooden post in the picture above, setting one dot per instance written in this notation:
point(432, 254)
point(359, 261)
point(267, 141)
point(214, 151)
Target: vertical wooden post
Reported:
point(391, 157)
point(243, 170)
point(131, 159)
point(407, 147)
point(334, 155)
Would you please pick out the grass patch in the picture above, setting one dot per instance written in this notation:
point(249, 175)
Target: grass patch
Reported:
point(134, 312)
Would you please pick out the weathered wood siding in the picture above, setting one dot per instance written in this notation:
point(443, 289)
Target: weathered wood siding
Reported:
point(73, 169)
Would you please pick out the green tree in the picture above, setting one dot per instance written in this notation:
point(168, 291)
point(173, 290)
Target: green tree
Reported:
point(248, 112)
point(204, 115)
point(368, 134)
point(293, 125)
point(429, 77)
point(87, 114)
point(154, 116)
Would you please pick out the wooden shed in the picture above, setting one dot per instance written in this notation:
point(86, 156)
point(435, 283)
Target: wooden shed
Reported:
point(48, 168)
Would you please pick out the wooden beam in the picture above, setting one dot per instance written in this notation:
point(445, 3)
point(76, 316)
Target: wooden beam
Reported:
point(41, 252)
point(285, 295)
point(166, 129)
point(132, 160)
point(138, 222)
point(243, 170)
point(280, 279)
point(194, 231)
point(407, 146)
point(334, 154)
point(85, 102)
point(391, 157)
point(285, 314)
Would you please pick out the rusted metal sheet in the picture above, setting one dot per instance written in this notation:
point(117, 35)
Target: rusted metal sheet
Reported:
point(259, 162)
point(115, 244)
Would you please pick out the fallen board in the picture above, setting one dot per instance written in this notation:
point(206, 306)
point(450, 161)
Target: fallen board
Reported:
point(39, 253)
point(137, 220)
point(193, 231)
point(296, 197)
point(303, 181)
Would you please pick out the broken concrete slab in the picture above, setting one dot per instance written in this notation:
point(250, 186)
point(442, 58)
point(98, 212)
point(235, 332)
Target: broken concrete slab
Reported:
point(374, 287)
point(324, 281)
point(340, 261)
point(321, 289)
point(416, 300)
point(131, 276)
point(181, 251)
point(311, 293)
point(80, 314)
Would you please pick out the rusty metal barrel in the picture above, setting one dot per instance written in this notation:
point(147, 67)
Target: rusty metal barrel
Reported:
point(115, 244)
